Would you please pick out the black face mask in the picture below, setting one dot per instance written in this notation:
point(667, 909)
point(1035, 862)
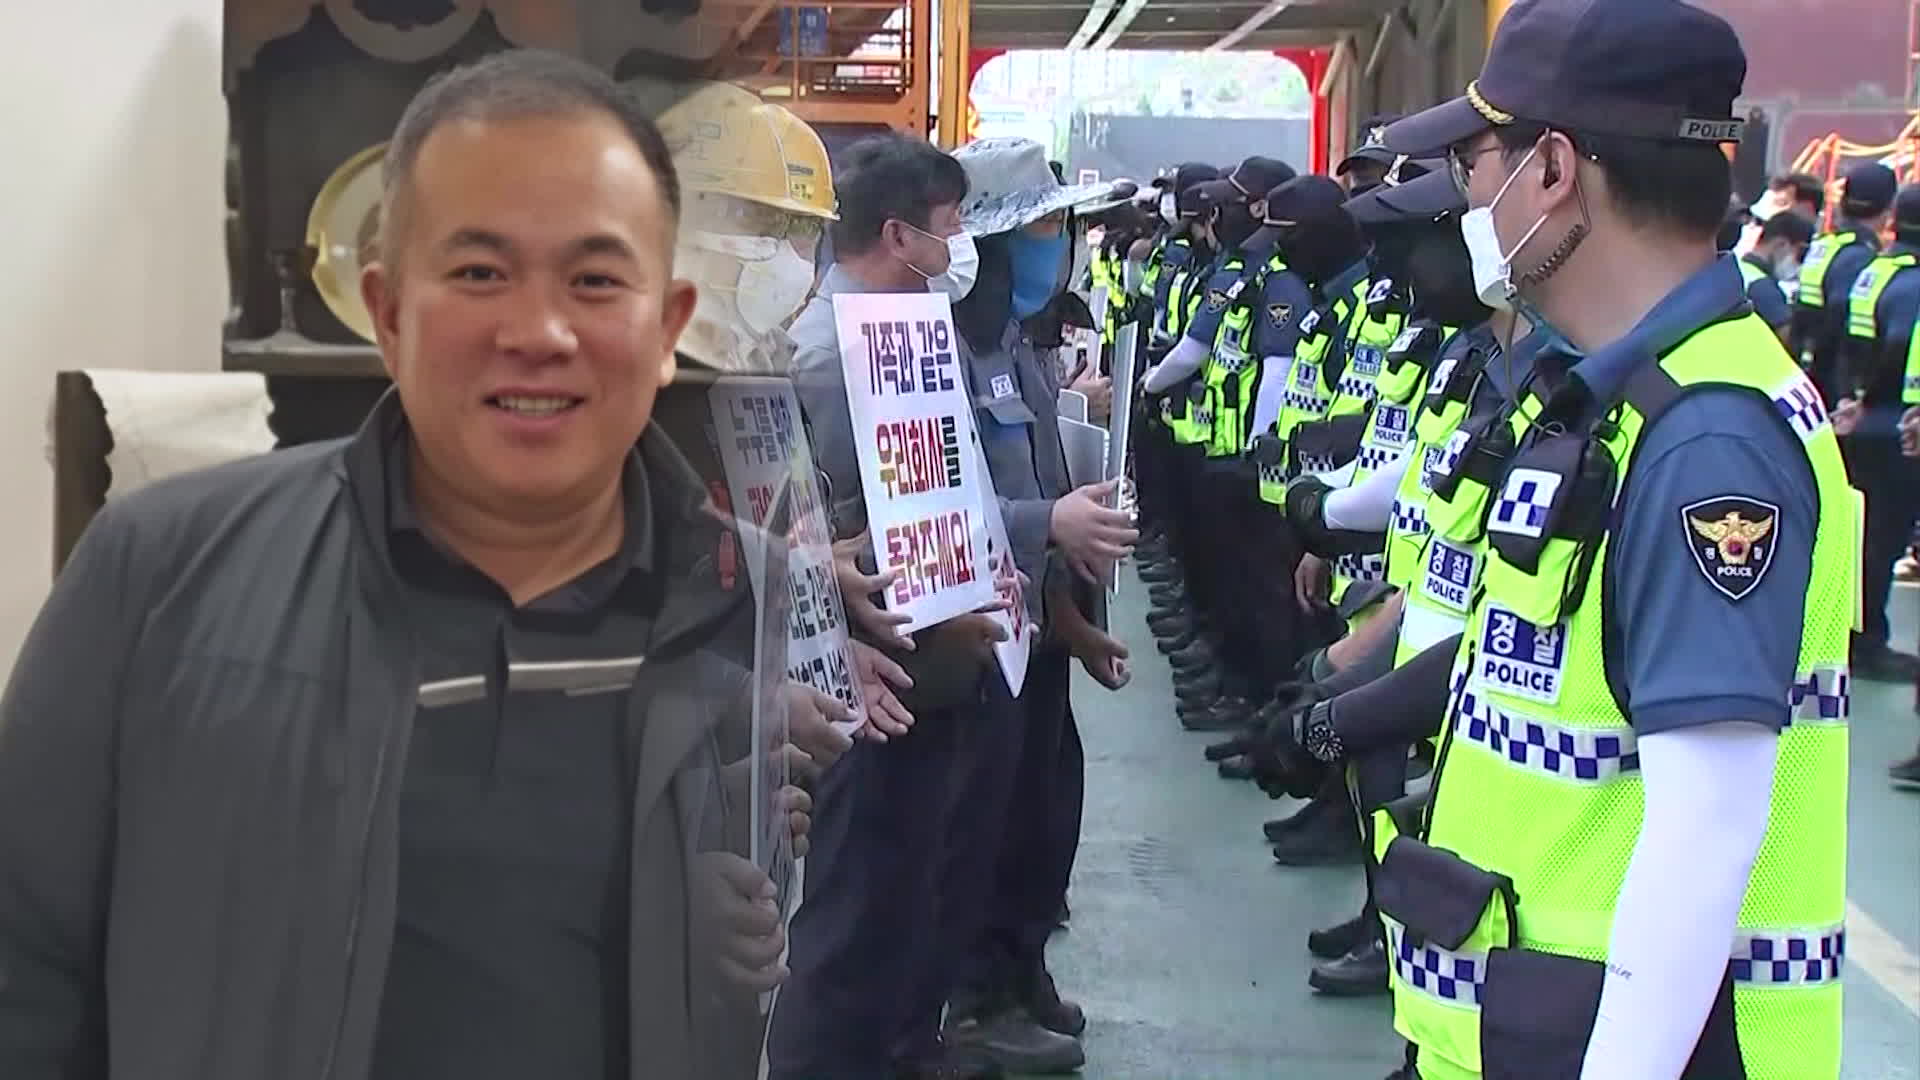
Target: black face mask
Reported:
point(1319, 250)
point(1441, 273)
point(1235, 225)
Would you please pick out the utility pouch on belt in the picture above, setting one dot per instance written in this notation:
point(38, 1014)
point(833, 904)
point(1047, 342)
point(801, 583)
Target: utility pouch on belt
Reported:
point(1438, 896)
point(1329, 444)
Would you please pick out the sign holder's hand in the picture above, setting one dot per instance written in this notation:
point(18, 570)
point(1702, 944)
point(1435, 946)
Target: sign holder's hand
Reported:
point(857, 590)
point(1845, 416)
point(1093, 535)
point(879, 676)
point(1910, 432)
point(810, 719)
point(741, 917)
point(1313, 583)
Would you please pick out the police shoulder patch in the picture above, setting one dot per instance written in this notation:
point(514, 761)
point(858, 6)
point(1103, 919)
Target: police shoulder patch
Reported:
point(1216, 299)
point(1279, 315)
point(1732, 538)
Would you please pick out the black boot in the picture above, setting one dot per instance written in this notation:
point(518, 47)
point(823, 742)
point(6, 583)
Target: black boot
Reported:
point(1042, 1000)
point(1337, 941)
point(1235, 768)
point(1227, 714)
point(1331, 839)
point(1280, 828)
point(1015, 1042)
point(1194, 657)
point(1174, 643)
point(1360, 973)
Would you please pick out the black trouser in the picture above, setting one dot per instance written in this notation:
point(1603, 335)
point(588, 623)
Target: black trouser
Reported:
point(1269, 554)
point(1152, 447)
point(1891, 484)
point(1041, 837)
point(869, 970)
point(1183, 505)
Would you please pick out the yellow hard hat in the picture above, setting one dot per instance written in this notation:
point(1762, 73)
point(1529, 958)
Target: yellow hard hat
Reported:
point(727, 141)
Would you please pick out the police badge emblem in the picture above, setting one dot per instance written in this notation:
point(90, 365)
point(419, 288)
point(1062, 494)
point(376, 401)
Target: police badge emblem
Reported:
point(1732, 538)
point(1279, 315)
point(1216, 299)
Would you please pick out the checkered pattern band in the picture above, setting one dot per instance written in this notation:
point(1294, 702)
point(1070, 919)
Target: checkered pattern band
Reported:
point(1367, 568)
point(1530, 743)
point(1446, 976)
point(1273, 476)
point(1304, 400)
point(1230, 359)
point(1789, 958)
point(1823, 695)
point(1373, 458)
point(1409, 519)
point(1317, 463)
point(1524, 502)
point(1358, 386)
point(1202, 415)
point(1800, 405)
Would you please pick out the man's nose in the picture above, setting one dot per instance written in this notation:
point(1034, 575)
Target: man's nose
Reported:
point(536, 324)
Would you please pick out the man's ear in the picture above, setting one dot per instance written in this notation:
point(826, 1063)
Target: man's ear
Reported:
point(380, 292)
point(1559, 169)
point(676, 311)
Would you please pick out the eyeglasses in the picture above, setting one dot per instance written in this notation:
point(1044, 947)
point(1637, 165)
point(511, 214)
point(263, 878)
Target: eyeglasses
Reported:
point(1460, 165)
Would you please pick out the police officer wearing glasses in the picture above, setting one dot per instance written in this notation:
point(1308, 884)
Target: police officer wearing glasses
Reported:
point(1632, 866)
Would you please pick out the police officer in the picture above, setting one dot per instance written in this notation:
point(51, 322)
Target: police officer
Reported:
point(1834, 260)
point(1882, 368)
point(1632, 865)
point(1365, 168)
point(1213, 352)
point(1771, 264)
point(1186, 246)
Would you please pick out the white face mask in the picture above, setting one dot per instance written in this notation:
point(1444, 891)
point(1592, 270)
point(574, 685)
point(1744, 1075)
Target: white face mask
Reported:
point(963, 266)
point(1169, 209)
point(749, 286)
point(772, 290)
point(1493, 264)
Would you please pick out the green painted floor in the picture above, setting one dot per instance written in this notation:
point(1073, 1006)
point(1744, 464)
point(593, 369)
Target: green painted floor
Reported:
point(1187, 942)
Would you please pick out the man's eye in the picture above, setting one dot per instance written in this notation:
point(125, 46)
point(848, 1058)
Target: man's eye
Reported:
point(477, 273)
point(597, 281)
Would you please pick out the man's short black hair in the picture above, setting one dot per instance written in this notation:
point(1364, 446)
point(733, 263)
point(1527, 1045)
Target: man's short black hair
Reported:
point(519, 83)
point(889, 177)
point(1788, 225)
point(1806, 188)
point(1684, 186)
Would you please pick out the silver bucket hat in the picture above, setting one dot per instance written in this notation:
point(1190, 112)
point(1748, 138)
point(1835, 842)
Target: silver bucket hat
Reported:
point(1010, 184)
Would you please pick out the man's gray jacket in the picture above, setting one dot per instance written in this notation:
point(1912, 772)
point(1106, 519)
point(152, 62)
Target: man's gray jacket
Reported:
point(201, 750)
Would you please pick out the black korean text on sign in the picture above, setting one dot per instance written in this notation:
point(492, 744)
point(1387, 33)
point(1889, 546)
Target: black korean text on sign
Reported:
point(918, 455)
point(933, 554)
point(763, 429)
point(908, 357)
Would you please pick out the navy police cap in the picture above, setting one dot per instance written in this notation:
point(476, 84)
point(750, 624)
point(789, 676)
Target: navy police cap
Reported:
point(1646, 69)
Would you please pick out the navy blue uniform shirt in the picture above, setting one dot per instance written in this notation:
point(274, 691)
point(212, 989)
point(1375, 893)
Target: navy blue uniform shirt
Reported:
point(1693, 654)
point(1284, 301)
point(1768, 299)
point(1219, 277)
point(1881, 365)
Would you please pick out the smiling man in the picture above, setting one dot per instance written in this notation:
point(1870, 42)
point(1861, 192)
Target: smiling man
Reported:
point(398, 756)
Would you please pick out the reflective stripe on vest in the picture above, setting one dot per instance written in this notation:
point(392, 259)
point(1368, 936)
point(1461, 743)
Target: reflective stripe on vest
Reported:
point(1813, 271)
point(1910, 382)
point(1863, 300)
point(1540, 778)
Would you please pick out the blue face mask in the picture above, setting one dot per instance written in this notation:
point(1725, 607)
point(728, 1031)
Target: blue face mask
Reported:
point(1036, 269)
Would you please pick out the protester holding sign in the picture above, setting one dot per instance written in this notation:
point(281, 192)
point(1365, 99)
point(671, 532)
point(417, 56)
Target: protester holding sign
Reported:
point(1025, 798)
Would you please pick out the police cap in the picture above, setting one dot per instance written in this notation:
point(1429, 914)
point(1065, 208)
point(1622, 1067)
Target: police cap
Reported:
point(1648, 69)
point(1256, 176)
point(1906, 208)
point(1423, 198)
point(1870, 188)
point(1304, 200)
point(1187, 175)
point(1203, 198)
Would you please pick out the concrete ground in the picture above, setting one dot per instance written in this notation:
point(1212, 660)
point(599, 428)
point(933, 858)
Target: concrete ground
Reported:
point(1187, 941)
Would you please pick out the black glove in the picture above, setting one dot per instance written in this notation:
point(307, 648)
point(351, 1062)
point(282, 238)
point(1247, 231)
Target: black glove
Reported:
point(1281, 763)
point(1306, 512)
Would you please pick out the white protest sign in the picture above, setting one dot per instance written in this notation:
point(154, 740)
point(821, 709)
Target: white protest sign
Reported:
point(772, 488)
point(911, 414)
point(1013, 653)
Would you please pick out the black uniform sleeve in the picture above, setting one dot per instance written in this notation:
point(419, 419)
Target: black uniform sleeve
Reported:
point(1408, 703)
point(58, 720)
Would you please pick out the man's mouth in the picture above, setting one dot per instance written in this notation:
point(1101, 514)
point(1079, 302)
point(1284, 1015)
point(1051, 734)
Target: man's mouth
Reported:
point(532, 405)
